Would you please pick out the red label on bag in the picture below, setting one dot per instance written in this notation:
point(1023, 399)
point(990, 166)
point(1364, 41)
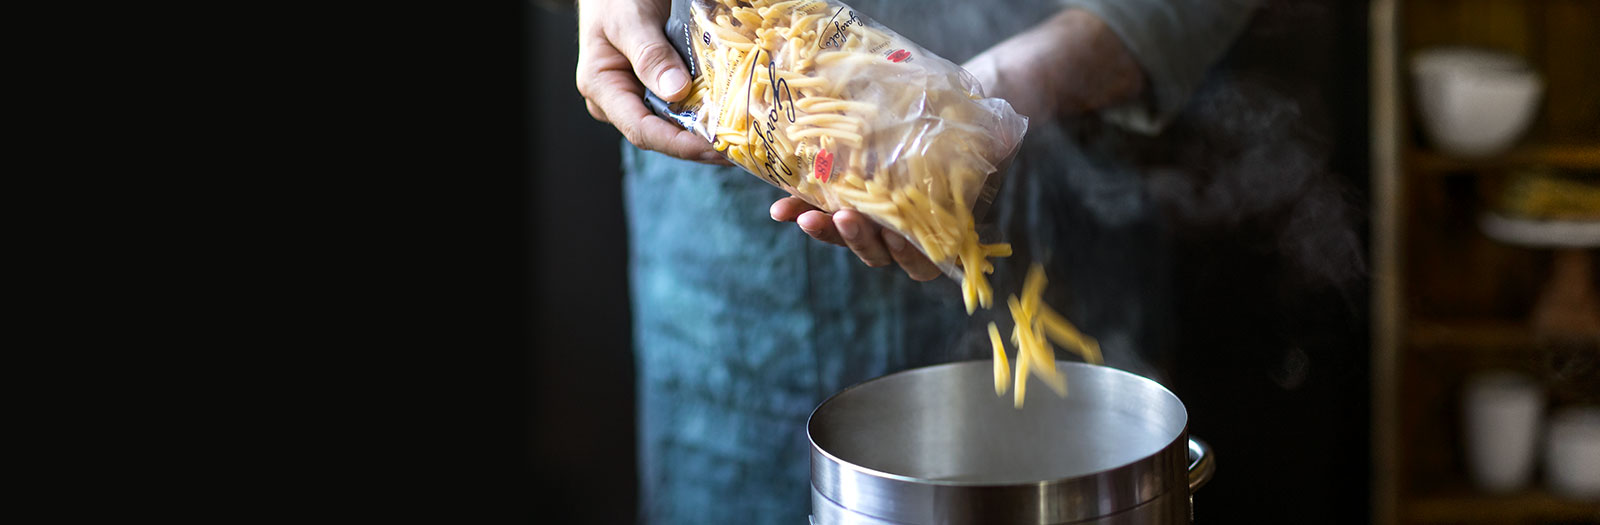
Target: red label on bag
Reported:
point(898, 55)
point(822, 167)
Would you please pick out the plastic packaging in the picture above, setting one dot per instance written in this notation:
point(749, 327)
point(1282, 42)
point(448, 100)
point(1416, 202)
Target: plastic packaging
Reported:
point(823, 102)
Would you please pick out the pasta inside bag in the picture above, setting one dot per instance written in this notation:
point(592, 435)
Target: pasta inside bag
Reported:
point(816, 98)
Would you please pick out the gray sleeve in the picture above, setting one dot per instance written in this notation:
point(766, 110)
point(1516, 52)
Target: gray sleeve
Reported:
point(1175, 41)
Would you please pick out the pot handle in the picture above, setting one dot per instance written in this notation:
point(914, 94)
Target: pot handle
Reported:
point(1202, 463)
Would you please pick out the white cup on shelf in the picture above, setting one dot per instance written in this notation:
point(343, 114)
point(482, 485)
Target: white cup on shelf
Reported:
point(1474, 102)
point(1502, 412)
point(1572, 453)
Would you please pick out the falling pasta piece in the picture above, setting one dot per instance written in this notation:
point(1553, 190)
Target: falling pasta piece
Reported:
point(1031, 344)
point(1020, 391)
point(1002, 369)
point(1036, 325)
point(997, 250)
point(1026, 317)
point(1062, 333)
point(1033, 288)
point(1091, 352)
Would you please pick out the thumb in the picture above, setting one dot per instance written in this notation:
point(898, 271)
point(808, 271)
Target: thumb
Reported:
point(654, 61)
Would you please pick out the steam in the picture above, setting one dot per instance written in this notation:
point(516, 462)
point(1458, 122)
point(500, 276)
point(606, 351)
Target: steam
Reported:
point(1248, 154)
point(1244, 161)
point(1255, 163)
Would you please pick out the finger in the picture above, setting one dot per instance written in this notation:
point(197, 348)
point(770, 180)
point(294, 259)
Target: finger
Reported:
point(619, 97)
point(654, 60)
point(594, 111)
point(911, 260)
point(712, 157)
point(788, 209)
point(861, 235)
point(820, 227)
point(656, 134)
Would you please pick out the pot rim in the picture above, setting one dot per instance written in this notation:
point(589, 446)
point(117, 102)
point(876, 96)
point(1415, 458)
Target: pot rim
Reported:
point(1084, 496)
point(1181, 438)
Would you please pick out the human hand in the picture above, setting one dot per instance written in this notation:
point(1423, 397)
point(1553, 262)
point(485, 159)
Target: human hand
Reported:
point(1070, 64)
point(622, 48)
point(875, 245)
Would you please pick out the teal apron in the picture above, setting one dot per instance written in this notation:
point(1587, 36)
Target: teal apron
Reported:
point(742, 325)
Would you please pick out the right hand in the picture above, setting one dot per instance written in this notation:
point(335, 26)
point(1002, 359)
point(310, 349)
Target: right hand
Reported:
point(622, 48)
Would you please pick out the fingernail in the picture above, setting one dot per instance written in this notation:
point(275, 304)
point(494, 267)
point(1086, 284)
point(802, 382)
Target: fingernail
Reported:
point(895, 242)
point(849, 229)
point(672, 81)
point(710, 156)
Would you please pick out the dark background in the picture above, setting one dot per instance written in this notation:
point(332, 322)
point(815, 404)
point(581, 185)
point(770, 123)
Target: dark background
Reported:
point(583, 412)
point(1273, 360)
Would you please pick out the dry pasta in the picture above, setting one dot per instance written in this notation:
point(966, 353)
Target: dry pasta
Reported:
point(1002, 370)
point(823, 102)
point(832, 107)
point(1036, 322)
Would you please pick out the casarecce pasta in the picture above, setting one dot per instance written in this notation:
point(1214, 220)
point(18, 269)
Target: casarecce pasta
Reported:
point(843, 113)
point(1036, 322)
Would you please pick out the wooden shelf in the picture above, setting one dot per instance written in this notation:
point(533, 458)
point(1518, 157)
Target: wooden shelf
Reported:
point(1463, 505)
point(1448, 301)
point(1469, 333)
point(1476, 334)
point(1579, 157)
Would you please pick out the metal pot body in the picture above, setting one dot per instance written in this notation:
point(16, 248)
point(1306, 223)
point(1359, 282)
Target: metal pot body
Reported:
point(935, 445)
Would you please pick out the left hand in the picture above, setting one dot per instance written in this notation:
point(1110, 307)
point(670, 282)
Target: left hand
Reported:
point(1069, 64)
point(875, 245)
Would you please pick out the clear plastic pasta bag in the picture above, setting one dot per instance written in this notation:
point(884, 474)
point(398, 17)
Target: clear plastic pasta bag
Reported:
point(823, 102)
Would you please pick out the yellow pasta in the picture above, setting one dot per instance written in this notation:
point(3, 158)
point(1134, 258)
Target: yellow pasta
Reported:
point(845, 114)
point(1035, 320)
point(1002, 370)
point(1021, 390)
point(1067, 336)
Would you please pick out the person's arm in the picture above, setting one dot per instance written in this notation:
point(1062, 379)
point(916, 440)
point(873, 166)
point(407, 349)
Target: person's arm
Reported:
point(1071, 63)
point(1175, 42)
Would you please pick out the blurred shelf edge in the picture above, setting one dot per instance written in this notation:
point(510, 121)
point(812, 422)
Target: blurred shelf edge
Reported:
point(1446, 334)
point(1463, 505)
point(1567, 156)
point(1487, 334)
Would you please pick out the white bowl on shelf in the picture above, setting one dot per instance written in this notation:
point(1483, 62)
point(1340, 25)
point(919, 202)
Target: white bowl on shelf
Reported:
point(1474, 102)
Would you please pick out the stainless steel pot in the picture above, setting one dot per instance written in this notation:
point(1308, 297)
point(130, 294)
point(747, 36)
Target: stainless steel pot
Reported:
point(935, 445)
